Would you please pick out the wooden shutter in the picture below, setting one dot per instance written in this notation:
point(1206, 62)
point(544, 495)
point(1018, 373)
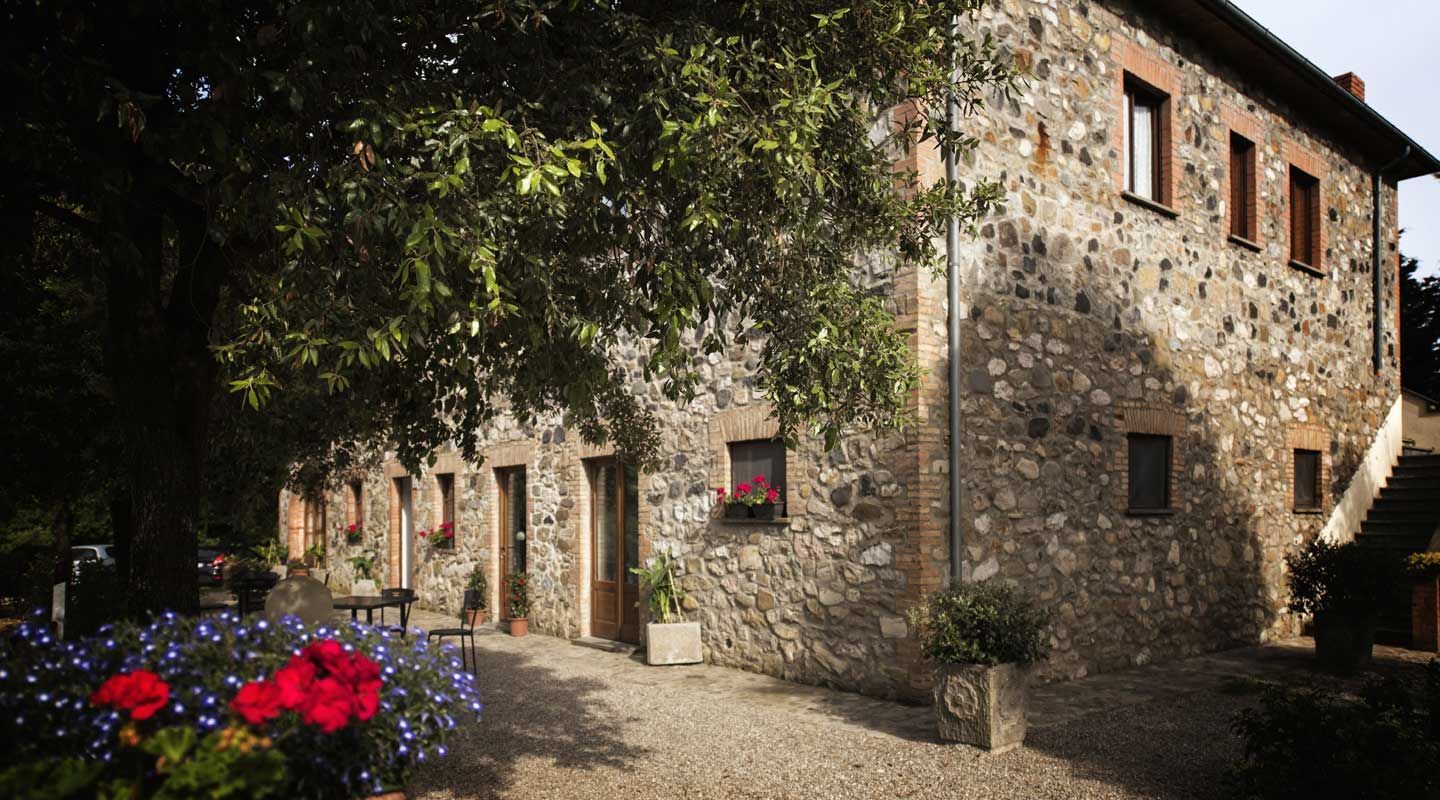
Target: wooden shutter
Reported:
point(1149, 472)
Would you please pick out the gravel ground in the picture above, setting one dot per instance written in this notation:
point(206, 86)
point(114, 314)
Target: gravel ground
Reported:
point(567, 722)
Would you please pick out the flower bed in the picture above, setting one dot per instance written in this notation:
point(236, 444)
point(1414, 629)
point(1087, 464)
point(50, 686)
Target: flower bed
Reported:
point(328, 711)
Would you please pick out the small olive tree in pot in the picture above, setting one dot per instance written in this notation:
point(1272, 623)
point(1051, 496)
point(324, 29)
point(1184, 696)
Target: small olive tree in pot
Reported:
point(982, 639)
point(1340, 588)
point(669, 639)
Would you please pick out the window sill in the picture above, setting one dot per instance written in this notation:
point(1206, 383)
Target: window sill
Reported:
point(778, 521)
point(1308, 512)
point(1245, 243)
point(1145, 202)
point(1150, 512)
point(1303, 267)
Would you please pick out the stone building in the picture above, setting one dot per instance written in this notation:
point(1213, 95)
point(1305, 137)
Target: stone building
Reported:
point(1177, 365)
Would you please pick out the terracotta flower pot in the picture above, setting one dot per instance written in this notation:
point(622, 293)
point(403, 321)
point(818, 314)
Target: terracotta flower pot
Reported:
point(519, 626)
point(1425, 615)
point(396, 795)
point(475, 616)
point(1344, 641)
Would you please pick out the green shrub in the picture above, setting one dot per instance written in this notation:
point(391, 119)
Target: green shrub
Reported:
point(662, 591)
point(985, 623)
point(1308, 743)
point(1345, 578)
point(1423, 565)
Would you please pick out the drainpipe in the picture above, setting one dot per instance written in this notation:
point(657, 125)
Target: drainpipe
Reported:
point(1378, 284)
point(952, 273)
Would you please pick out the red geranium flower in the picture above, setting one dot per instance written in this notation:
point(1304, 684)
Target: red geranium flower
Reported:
point(257, 702)
point(294, 681)
point(328, 705)
point(743, 488)
point(772, 496)
point(720, 491)
point(141, 692)
point(758, 480)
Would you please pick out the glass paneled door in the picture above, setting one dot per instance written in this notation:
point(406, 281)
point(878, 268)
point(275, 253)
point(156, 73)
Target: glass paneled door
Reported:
point(615, 534)
point(511, 484)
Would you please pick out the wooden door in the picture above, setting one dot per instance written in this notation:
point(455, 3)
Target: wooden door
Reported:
point(511, 484)
point(615, 539)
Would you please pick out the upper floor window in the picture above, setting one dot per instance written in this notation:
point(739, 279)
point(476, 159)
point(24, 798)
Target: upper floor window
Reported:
point(1149, 457)
point(446, 484)
point(1243, 201)
point(1304, 219)
point(1146, 140)
point(759, 457)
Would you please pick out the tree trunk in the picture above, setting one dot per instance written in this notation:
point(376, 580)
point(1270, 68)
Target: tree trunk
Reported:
point(164, 377)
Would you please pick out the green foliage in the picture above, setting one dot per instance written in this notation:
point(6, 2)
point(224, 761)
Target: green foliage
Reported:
point(1310, 743)
point(984, 623)
point(270, 551)
point(1423, 565)
point(1419, 329)
point(1346, 578)
point(517, 594)
point(662, 591)
point(477, 582)
point(364, 565)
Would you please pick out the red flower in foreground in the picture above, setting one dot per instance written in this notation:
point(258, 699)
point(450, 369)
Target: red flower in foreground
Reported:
point(328, 705)
point(141, 692)
point(257, 702)
point(294, 681)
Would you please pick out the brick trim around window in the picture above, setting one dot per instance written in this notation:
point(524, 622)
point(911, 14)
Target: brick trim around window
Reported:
point(1309, 436)
point(1236, 122)
point(747, 423)
point(1133, 62)
point(1155, 420)
point(1298, 157)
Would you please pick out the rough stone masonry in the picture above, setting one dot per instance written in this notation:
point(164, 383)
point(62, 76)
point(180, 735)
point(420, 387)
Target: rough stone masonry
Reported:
point(1087, 317)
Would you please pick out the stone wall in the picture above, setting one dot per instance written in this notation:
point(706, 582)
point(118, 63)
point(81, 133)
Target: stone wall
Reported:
point(1090, 317)
point(1087, 317)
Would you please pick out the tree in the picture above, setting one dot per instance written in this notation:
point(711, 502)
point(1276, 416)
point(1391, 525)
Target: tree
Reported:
point(447, 208)
point(1419, 329)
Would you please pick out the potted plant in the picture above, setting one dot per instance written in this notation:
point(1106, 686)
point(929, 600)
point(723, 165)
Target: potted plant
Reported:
point(1424, 571)
point(982, 639)
point(354, 533)
point(1339, 587)
point(314, 556)
point(297, 569)
point(517, 600)
point(364, 566)
point(669, 638)
point(755, 499)
point(476, 590)
point(272, 553)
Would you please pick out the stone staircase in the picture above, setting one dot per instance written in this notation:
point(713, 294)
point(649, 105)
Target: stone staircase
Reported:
point(1400, 522)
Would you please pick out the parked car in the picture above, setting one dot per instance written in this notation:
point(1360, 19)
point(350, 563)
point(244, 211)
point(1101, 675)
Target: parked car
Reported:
point(92, 552)
point(210, 564)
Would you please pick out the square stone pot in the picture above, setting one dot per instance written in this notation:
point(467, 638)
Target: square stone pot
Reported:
point(1344, 641)
point(364, 586)
point(1425, 615)
point(982, 706)
point(672, 643)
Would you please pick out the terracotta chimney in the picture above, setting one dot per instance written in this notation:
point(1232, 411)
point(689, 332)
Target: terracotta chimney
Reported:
point(1351, 83)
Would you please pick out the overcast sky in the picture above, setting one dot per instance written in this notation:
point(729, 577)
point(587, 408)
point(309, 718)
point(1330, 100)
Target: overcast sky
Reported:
point(1394, 46)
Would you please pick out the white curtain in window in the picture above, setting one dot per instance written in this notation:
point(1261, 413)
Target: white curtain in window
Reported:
point(1142, 139)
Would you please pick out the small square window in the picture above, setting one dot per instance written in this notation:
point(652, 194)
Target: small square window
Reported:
point(1149, 474)
point(1146, 140)
point(1304, 219)
point(1307, 480)
point(1243, 203)
point(759, 457)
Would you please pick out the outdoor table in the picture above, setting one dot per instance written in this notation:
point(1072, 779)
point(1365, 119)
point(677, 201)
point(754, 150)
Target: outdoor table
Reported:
point(369, 602)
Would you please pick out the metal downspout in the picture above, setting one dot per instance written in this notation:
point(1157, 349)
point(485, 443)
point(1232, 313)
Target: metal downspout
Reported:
point(952, 269)
point(1377, 281)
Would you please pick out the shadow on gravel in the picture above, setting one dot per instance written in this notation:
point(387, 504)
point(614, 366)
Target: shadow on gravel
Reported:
point(530, 712)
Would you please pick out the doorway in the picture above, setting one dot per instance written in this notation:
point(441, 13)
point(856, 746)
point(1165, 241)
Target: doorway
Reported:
point(510, 482)
point(615, 545)
point(407, 525)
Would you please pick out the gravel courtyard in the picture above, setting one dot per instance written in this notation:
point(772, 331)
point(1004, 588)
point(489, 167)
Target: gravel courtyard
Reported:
point(563, 721)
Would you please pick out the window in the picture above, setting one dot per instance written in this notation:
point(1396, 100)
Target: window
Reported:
point(510, 482)
point(1146, 141)
point(1307, 480)
point(1304, 219)
point(355, 507)
point(446, 485)
point(1149, 476)
point(1242, 188)
point(759, 457)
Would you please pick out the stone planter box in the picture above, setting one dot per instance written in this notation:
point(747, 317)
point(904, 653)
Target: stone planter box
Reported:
point(1344, 641)
point(982, 706)
point(673, 643)
point(364, 586)
point(1425, 615)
